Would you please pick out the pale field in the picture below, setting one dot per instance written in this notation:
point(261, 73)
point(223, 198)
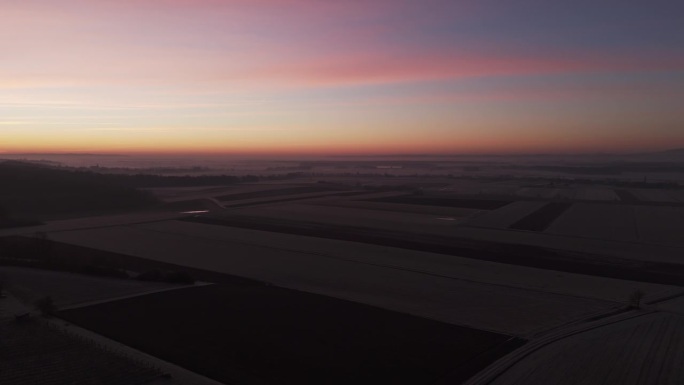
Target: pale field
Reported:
point(171, 193)
point(644, 224)
point(266, 200)
point(495, 189)
point(69, 289)
point(362, 197)
point(581, 193)
point(492, 296)
point(379, 180)
point(456, 267)
point(640, 251)
point(660, 224)
point(505, 216)
point(596, 194)
point(653, 195)
point(678, 196)
point(611, 222)
point(93, 222)
point(640, 351)
point(543, 192)
point(470, 187)
point(174, 194)
point(455, 212)
point(442, 224)
point(675, 305)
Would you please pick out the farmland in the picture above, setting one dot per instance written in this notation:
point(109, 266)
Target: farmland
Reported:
point(614, 222)
point(479, 204)
point(542, 218)
point(260, 334)
point(32, 353)
point(641, 224)
point(452, 267)
point(70, 289)
point(419, 222)
point(373, 204)
point(431, 285)
point(275, 192)
point(642, 350)
point(504, 217)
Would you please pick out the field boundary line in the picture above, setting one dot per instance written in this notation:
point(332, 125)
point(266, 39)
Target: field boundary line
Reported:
point(499, 367)
point(394, 267)
point(178, 374)
point(160, 290)
point(664, 245)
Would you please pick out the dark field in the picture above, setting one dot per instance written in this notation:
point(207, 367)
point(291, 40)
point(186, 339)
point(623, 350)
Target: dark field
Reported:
point(258, 334)
point(276, 192)
point(292, 199)
point(8, 223)
point(542, 218)
point(38, 192)
point(32, 353)
point(478, 204)
point(627, 196)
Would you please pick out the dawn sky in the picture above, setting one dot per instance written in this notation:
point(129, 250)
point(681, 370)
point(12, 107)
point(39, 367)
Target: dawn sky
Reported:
point(326, 77)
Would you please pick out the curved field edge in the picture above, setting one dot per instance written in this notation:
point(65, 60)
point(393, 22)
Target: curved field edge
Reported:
point(254, 334)
point(518, 254)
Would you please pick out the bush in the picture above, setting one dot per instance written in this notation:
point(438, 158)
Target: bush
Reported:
point(182, 277)
point(150, 275)
point(103, 271)
point(635, 299)
point(46, 306)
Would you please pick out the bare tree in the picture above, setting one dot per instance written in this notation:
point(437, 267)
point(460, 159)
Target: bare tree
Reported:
point(3, 283)
point(46, 306)
point(635, 298)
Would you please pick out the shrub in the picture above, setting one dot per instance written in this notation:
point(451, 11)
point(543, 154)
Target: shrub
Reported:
point(182, 277)
point(635, 299)
point(150, 275)
point(103, 271)
point(46, 306)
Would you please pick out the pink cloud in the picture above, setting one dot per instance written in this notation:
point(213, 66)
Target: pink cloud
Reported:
point(552, 93)
point(255, 43)
point(378, 67)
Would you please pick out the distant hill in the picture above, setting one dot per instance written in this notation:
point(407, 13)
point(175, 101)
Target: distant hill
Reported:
point(673, 152)
point(673, 155)
point(71, 154)
point(39, 191)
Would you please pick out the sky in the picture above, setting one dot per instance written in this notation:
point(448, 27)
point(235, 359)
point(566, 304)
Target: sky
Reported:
point(341, 77)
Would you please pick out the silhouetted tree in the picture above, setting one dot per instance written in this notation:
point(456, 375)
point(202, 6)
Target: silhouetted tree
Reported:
point(150, 275)
point(43, 246)
point(635, 298)
point(181, 277)
point(3, 283)
point(46, 306)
